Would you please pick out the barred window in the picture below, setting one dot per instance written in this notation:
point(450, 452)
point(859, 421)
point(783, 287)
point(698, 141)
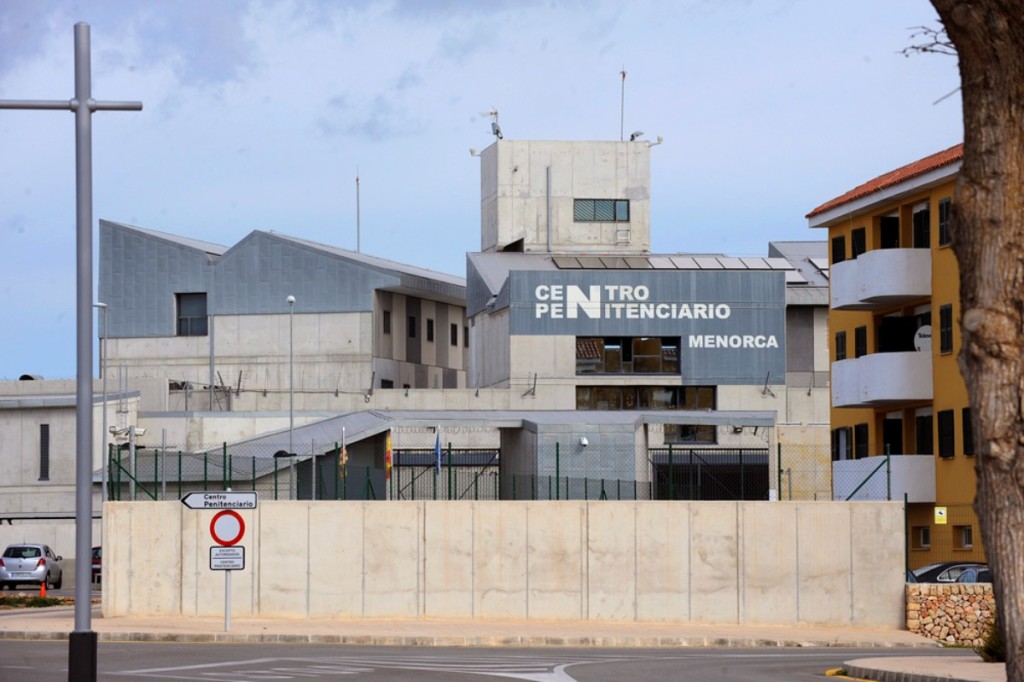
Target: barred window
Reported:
point(601, 210)
point(945, 210)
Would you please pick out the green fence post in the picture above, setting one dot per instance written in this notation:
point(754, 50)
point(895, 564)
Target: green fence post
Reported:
point(888, 474)
point(778, 462)
point(906, 533)
point(275, 478)
point(449, 471)
point(253, 485)
point(179, 474)
point(671, 477)
point(557, 465)
point(586, 491)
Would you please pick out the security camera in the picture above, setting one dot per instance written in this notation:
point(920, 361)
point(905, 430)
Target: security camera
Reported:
point(584, 442)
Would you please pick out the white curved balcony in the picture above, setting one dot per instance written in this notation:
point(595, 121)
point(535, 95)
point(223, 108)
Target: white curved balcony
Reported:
point(882, 379)
point(880, 278)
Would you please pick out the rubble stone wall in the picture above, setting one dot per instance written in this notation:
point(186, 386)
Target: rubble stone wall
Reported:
point(953, 614)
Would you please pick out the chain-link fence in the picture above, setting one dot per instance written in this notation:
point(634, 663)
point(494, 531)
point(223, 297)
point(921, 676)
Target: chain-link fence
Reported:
point(567, 470)
point(804, 472)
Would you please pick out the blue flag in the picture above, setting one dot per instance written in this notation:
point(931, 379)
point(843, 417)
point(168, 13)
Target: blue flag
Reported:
point(437, 451)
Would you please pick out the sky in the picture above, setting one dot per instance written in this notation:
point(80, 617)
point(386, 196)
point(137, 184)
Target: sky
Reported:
point(260, 116)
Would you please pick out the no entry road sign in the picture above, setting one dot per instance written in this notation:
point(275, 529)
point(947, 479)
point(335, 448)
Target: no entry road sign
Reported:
point(227, 528)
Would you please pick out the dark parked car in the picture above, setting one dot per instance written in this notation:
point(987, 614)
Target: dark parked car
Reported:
point(30, 563)
point(975, 575)
point(945, 572)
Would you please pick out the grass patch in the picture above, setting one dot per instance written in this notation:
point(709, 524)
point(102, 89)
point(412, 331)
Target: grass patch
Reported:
point(18, 601)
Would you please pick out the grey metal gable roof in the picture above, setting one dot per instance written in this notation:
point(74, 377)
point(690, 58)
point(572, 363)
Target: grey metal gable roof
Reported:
point(206, 247)
point(414, 280)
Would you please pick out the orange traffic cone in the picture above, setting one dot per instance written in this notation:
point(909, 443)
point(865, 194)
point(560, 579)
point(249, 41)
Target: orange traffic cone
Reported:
point(42, 588)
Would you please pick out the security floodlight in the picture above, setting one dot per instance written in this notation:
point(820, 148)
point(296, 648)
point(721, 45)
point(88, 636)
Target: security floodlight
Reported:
point(291, 300)
point(496, 129)
point(635, 135)
point(584, 442)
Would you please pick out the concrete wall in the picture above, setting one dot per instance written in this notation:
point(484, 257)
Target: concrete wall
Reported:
point(727, 562)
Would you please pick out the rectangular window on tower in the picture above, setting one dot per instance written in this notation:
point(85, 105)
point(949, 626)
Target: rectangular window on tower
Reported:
point(947, 437)
point(44, 452)
point(945, 208)
point(838, 249)
point(858, 241)
point(840, 346)
point(860, 342)
point(967, 430)
point(601, 210)
point(455, 335)
point(946, 328)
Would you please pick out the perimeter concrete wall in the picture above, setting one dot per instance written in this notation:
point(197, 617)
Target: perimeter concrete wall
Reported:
point(711, 562)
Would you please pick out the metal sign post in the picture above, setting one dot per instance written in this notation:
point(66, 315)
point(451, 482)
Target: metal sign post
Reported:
point(82, 642)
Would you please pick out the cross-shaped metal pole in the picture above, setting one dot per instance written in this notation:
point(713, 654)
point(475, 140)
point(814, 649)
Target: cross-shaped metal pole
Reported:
point(82, 642)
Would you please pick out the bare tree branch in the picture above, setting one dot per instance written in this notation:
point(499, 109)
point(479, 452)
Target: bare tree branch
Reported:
point(932, 40)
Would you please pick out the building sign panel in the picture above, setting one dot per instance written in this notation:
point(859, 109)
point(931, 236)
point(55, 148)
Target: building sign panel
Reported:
point(731, 324)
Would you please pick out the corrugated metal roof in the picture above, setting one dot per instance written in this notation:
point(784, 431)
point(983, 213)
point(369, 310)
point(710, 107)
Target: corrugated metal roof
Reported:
point(198, 245)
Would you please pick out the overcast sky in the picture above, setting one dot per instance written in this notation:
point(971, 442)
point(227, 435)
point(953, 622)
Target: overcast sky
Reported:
point(258, 114)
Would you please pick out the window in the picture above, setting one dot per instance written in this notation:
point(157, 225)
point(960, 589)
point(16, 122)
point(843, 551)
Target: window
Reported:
point(946, 328)
point(860, 441)
point(840, 346)
point(601, 210)
point(963, 537)
point(387, 383)
point(455, 334)
point(922, 227)
point(921, 537)
point(945, 208)
point(967, 430)
point(465, 337)
point(387, 321)
point(645, 397)
point(947, 437)
point(412, 326)
point(44, 452)
point(430, 330)
point(858, 241)
point(923, 435)
point(889, 232)
point(860, 342)
point(678, 434)
point(627, 355)
point(191, 314)
point(842, 443)
point(838, 249)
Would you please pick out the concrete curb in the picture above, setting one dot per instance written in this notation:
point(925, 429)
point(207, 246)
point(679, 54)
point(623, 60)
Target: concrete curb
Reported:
point(876, 675)
point(623, 642)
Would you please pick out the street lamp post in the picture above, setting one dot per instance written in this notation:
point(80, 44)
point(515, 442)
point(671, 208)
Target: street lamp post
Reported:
point(82, 641)
point(104, 308)
point(291, 395)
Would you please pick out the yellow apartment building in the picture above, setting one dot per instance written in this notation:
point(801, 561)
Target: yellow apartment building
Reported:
point(894, 340)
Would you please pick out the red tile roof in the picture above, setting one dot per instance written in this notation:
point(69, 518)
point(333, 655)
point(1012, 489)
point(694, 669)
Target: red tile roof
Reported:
point(911, 170)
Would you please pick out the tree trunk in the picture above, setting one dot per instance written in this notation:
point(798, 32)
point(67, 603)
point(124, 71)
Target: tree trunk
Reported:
point(988, 239)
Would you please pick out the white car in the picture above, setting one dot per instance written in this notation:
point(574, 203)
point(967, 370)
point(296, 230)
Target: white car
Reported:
point(30, 563)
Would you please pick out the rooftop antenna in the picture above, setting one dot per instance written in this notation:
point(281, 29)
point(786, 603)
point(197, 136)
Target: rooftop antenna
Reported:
point(622, 106)
point(495, 128)
point(357, 210)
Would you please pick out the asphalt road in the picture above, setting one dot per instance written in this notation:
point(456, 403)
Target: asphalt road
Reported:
point(44, 661)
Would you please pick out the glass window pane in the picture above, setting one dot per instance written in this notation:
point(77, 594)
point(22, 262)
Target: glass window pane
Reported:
point(604, 209)
point(622, 211)
point(583, 210)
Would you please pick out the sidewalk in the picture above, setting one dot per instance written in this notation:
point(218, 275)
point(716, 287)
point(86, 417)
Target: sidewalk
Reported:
point(57, 622)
